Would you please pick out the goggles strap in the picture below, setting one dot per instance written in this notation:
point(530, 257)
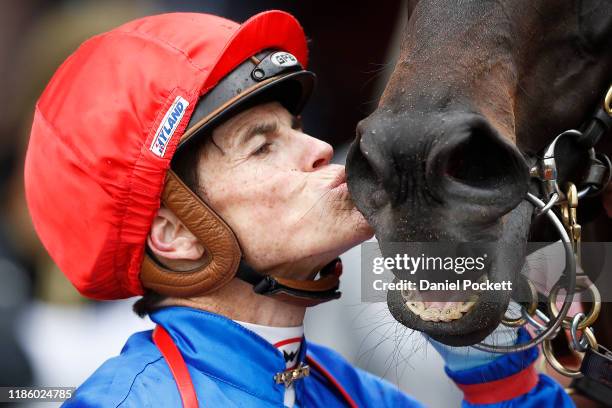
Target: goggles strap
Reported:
point(297, 292)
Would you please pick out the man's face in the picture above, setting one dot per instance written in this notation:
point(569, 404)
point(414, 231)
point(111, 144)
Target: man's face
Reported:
point(274, 186)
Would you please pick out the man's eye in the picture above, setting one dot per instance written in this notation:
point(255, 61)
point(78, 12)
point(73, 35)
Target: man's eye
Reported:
point(263, 149)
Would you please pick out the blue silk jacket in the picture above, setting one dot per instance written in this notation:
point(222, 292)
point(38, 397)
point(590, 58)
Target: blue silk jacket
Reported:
point(231, 366)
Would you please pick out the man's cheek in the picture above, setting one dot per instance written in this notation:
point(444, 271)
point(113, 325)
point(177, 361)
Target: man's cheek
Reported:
point(282, 192)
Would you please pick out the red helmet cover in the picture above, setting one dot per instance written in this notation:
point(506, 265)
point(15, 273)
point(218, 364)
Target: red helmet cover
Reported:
point(92, 179)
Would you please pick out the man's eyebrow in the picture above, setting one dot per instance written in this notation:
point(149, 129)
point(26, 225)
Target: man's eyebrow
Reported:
point(256, 129)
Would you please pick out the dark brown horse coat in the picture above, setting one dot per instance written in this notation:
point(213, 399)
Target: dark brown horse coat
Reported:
point(480, 87)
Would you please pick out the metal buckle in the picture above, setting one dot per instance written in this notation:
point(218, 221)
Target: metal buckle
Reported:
point(546, 169)
point(266, 285)
point(289, 376)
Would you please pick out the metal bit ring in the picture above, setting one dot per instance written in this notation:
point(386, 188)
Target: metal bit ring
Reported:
point(560, 368)
point(533, 305)
point(550, 204)
point(591, 316)
point(533, 322)
point(569, 274)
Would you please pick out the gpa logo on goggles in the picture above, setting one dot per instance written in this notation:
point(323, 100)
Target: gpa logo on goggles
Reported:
point(283, 59)
point(168, 126)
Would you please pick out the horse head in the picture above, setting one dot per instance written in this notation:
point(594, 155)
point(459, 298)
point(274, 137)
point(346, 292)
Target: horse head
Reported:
point(479, 88)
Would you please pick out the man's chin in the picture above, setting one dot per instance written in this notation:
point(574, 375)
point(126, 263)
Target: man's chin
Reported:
point(334, 243)
point(349, 235)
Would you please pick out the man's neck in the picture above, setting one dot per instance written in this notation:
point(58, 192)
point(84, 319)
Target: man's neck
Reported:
point(237, 301)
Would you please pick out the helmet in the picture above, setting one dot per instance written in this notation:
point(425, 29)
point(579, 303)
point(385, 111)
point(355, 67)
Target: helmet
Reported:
point(111, 119)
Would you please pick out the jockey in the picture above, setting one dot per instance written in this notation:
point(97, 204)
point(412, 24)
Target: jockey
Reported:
point(167, 161)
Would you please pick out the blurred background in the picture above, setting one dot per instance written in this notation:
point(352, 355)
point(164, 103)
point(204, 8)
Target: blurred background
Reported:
point(49, 334)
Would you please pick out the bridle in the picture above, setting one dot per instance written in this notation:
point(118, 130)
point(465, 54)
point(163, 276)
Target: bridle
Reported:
point(564, 200)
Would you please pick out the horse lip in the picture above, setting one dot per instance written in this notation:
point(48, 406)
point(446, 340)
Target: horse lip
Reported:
point(447, 332)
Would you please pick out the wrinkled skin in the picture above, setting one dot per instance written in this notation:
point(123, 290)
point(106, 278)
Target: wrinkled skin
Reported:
point(479, 87)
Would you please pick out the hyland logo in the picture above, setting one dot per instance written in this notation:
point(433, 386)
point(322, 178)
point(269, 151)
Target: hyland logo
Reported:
point(168, 125)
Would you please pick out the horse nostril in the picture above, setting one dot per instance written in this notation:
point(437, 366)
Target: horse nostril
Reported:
point(479, 162)
point(478, 166)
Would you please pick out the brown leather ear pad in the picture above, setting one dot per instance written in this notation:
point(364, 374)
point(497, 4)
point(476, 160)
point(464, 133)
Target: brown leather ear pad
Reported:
point(220, 244)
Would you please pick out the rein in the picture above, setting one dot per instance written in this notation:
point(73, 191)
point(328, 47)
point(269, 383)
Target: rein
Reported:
point(565, 201)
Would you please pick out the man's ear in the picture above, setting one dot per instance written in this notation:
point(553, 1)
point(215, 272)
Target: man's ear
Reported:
point(170, 239)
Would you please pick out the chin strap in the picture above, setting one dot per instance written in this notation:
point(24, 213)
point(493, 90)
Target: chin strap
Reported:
point(224, 259)
point(297, 292)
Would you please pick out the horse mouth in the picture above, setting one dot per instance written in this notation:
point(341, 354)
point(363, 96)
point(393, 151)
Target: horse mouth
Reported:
point(442, 305)
point(454, 317)
point(436, 311)
point(453, 323)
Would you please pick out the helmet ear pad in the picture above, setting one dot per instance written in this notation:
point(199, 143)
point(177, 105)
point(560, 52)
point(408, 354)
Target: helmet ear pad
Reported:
point(222, 251)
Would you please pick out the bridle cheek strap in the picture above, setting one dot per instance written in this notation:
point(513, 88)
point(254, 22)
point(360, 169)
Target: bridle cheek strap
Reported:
point(224, 259)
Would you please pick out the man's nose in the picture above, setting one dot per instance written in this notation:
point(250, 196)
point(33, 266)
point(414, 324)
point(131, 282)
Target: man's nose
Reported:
point(319, 153)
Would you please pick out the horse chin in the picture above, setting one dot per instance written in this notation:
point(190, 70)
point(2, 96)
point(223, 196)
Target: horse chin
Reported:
point(486, 311)
point(482, 318)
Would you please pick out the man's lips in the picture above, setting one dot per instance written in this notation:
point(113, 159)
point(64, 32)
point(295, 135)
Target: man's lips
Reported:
point(339, 180)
